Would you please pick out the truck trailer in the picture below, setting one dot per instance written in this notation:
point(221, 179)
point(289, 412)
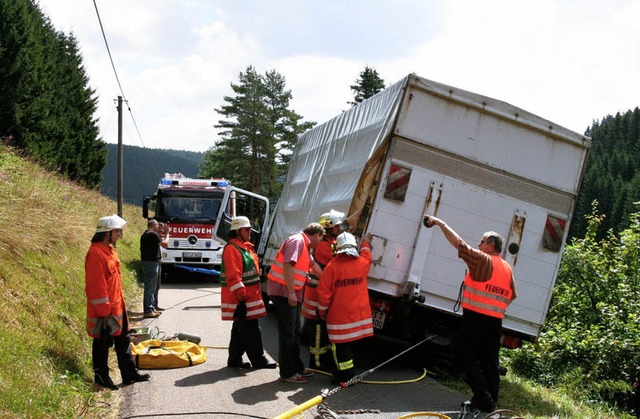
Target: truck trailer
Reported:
point(424, 148)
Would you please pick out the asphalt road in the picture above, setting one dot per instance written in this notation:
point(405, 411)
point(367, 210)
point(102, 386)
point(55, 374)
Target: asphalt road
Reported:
point(212, 390)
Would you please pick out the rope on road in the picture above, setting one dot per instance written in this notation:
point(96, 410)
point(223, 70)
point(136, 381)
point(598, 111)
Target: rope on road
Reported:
point(409, 381)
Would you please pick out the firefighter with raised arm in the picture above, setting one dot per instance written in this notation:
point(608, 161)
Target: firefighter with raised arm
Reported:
point(315, 329)
point(241, 297)
point(488, 290)
point(343, 301)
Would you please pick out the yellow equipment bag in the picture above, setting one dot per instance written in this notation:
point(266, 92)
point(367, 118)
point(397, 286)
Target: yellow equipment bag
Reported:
point(153, 353)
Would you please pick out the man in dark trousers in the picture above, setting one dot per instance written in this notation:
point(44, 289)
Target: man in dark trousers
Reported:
point(150, 243)
point(488, 290)
point(107, 321)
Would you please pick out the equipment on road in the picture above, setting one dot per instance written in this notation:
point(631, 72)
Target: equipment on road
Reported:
point(326, 393)
point(160, 354)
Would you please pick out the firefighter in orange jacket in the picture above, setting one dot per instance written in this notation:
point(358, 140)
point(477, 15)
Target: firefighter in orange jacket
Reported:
point(343, 301)
point(241, 297)
point(315, 329)
point(107, 320)
point(488, 290)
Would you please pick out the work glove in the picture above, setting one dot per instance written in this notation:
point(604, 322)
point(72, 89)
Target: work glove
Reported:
point(241, 293)
point(241, 311)
point(105, 335)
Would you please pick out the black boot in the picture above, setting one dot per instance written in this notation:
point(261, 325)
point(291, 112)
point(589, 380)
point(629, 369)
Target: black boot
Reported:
point(135, 378)
point(105, 381)
point(483, 402)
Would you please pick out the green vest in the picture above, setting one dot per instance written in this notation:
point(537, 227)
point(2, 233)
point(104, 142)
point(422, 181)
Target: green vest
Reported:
point(249, 273)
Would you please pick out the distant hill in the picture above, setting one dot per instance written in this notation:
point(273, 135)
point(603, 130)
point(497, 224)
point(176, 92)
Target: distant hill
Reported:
point(143, 168)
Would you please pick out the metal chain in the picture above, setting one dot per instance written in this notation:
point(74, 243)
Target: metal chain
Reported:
point(326, 412)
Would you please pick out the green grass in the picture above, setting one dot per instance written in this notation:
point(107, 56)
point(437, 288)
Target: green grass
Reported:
point(46, 223)
point(533, 401)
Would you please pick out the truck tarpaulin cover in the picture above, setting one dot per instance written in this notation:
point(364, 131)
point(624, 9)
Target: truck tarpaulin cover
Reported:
point(319, 155)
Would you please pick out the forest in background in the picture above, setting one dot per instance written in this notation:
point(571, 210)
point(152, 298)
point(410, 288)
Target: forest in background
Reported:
point(143, 168)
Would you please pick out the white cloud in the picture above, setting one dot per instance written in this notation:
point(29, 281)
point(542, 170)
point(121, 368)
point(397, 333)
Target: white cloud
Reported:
point(568, 61)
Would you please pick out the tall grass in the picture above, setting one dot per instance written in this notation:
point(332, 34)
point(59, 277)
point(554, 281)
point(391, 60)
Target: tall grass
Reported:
point(46, 223)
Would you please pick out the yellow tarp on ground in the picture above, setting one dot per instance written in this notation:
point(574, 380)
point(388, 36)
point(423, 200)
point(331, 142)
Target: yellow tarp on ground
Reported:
point(155, 354)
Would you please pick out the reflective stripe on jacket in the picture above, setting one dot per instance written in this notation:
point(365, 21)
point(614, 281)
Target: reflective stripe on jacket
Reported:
point(300, 269)
point(103, 287)
point(344, 297)
point(491, 297)
point(240, 269)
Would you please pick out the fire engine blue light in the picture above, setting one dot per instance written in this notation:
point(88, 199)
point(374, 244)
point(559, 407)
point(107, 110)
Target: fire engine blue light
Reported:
point(208, 244)
point(165, 182)
point(176, 243)
point(223, 184)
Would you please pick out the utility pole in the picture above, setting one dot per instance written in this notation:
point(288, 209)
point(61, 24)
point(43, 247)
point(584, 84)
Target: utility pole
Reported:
point(120, 158)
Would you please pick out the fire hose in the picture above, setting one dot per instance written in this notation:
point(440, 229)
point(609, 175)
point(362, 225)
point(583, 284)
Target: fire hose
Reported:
point(326, 393)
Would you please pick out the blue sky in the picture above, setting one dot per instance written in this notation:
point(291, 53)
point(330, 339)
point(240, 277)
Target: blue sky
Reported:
point(568, 61)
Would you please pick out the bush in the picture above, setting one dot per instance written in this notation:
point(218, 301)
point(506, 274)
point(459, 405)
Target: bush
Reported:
point(591, 340)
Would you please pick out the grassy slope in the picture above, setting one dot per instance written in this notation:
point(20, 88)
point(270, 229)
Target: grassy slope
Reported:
point(46, 224)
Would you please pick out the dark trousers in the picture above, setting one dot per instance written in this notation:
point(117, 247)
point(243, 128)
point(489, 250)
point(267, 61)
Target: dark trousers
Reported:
point(158, 283)
point(246, 337)
point(320, 355)
point(288, 337)
point(477, 347)
point(100, 353)
point(343, 359)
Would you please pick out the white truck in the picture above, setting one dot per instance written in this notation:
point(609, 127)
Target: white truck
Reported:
point(421, 147)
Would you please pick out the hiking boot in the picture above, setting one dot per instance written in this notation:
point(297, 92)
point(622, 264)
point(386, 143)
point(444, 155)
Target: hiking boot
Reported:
point(243, 365)
point(136, 378)
point(105, 381)
point(295, 378)
point(483, 402)
point(265, 365)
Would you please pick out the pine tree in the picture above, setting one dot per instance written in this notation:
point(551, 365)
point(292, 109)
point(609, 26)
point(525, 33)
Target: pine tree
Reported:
point(46, 106)
point(367, 85)
point(258, 133)
point(611, 175)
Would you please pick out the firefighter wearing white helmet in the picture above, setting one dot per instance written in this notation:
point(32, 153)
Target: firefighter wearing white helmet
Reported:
point(241, 297)
point(314, 330)
point(343, 301)
point(107, 321)
point(107, 225)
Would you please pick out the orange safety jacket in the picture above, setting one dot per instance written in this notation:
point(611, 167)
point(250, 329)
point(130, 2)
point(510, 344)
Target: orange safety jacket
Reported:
point(343, 297)
point(103, 287)
point(322, 254)
point(300, 269)
point(240, 274)
point(490, 297)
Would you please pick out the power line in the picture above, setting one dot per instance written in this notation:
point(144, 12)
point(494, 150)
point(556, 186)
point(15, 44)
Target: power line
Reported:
point(116, 73)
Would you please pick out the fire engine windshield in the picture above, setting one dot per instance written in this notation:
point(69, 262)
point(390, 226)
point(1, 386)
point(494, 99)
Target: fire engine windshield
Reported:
point(188, 207)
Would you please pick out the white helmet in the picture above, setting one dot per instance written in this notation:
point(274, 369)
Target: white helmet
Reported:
point(239, 222)
point(346, 243)
point(111, 222)
point(331, 218)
